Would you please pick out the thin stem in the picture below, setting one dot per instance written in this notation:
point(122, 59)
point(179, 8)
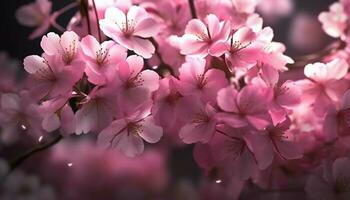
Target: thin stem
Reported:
point(84, 10)
point(20, 159)
point(60, 12)
point(193, 9)
point(57, 26)
point(97, 22)
point(314, 57)
point(66, 8)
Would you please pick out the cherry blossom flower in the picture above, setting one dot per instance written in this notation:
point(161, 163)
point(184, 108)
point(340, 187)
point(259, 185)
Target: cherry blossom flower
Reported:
point(19, 114)
point(200, 122)
point(97, 111)
point(132, 82)
point(57, 114)
point(48, 77)
point(275, 138)
point(284, 97)
point(335, 21)
point(66, 46)
point(237, 154)
point(243, 108)
point(36, 14)
point(240, 49)
point(167, 105)
point(325, 84)
point(199, 37)
point(127, 134)
point(101, 59)
point(196, 80)
point(128, 29)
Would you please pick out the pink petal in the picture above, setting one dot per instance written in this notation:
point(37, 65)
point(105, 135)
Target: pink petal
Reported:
point(262, 149)
point(50, 43)
point(338, 68)
point(232, 120)
point(27, 15)
point(196, 27)
point(34, 63)
point(90, 46)
point(151, 133)
point(227, 99)
point(192, 133)
point(69, 40)
point(51, 123)
point(137, 13)
point(131, 145)
point(142, 47)
point(105, 137)
point(289, 150)
point(147, 28)
point(10, 102)
point(213, 25)
point(113, 16)
point(219, 48)
point(150, 80)
point(135, 64)
point(68, 121)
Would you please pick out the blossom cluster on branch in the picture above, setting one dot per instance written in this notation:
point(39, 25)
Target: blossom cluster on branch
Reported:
point(137, 72)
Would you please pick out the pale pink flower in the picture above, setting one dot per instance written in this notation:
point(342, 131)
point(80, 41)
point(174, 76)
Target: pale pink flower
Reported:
point(247, 107)
point(273, 10)
point(196, 80)
point(167, 105)
point(334, 22)
point(332, 181)
point(101, 59)
point(284, 97)
point(173, 15)
point(48, 77)
point(325, 84)
point(200, 121)
point(132, 82)
point(19, 114)
point(36, 14)
point(57, 114)
point(97, 111)
point(66, 47)
point(245, 6)
point(127, 134)
point(129, 29)
point(199, 37)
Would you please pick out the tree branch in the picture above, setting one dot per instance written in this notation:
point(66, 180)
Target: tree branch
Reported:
point(41, 147)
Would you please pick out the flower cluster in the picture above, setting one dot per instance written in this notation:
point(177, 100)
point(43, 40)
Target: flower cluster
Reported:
point(154, 71)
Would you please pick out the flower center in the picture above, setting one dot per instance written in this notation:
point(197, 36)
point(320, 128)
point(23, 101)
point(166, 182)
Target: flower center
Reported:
point(235, 147)
point(102, 56)
point(201, 118)
point(201, 81)
point(135, 81)
point(134, 128)
point(45, 73)
point(69, 52)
